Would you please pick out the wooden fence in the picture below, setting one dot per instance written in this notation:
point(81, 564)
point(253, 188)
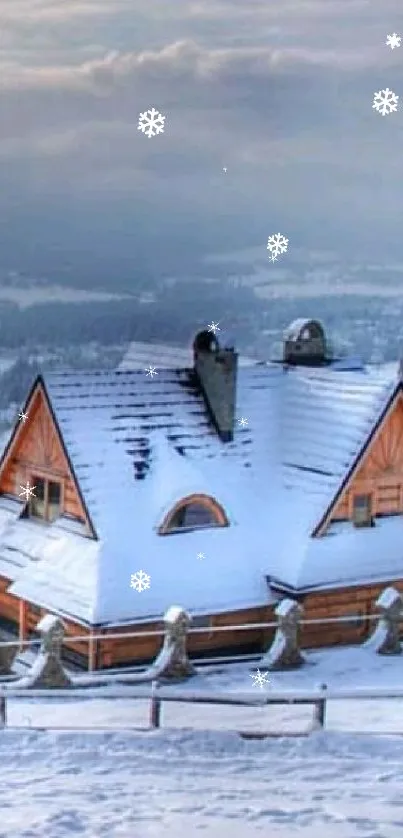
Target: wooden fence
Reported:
point(317, 698)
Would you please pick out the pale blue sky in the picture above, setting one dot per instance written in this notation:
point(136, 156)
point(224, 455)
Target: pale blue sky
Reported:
point(278, 91)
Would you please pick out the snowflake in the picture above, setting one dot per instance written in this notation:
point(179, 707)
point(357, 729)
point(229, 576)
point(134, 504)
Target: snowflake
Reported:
point(385, 101)
point(151, 122)
point(213, 327)
point(224, 169)
point(201, 556)
point(393, 41)
point(277, 244)
point(150, 371)
point(27, 491)
point(22, 416)
point(260, 679)
point(242, 422)
point(140, 581)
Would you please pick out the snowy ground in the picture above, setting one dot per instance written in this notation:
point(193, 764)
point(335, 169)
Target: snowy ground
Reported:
point(210, 782)
point(161, 785)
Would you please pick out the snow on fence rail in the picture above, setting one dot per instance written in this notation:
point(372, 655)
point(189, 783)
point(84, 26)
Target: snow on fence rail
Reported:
point(157, 696)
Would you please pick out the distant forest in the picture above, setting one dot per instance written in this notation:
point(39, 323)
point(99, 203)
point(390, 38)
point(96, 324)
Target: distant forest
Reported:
point(368, 327)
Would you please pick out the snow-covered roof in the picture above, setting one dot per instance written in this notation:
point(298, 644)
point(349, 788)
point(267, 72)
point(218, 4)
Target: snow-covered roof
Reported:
point(138, 444)
point(293, 331)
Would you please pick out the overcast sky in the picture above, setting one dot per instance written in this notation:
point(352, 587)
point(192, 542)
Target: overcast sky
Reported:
point(279, 92)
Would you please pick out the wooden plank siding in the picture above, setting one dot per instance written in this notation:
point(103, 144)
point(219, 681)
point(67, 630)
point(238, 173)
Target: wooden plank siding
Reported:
point(380, 472)
point(343, 601)
point(118, 652)
point(37, 450)
point(9, 605)
point(110, 652)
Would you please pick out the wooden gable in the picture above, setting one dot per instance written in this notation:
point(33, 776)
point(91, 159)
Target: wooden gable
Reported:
point(378, 471)
point(36, 448)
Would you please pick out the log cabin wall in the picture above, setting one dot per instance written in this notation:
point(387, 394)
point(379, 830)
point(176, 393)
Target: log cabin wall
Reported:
point(136, 650)
point(358, 601)
point(38, 450)
point(9, 605)
point(380, 473)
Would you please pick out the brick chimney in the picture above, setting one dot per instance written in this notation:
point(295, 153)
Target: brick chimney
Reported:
point(216, 370)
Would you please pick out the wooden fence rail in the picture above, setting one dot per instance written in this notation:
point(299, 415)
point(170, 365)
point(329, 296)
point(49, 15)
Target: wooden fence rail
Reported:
point(318, 698)
point(350, 618)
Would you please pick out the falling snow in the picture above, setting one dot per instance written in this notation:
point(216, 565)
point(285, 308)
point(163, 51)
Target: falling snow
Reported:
point(277, 244)
point(385, 101)
point(27, 491)
point(393, 41)
point(140, 581)
point(150, 371)
point(151, 123)
point(213, 327)
point(242, 422)
point(201, 556)
point(22, 416)
point(260, 679)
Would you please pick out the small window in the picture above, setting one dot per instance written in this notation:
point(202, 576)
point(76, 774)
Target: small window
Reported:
point(45, 503)
point(193, 515)
point(362, 511)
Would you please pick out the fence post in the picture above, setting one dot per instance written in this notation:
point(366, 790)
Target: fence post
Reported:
point(155, 707)
point(3, 710)
point(319, 711)
point(284, 652)
point(385, 639)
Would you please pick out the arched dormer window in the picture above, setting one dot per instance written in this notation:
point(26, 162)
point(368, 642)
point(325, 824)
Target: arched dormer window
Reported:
point(193, 513)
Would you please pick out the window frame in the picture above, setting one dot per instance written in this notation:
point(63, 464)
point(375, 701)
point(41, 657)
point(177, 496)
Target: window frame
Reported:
point(217, 512)
point(47, 479)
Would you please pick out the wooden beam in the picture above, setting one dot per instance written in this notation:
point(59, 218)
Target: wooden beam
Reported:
point(22, 623)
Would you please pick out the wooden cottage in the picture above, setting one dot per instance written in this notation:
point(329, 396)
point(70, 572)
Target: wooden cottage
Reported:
point(113, 473)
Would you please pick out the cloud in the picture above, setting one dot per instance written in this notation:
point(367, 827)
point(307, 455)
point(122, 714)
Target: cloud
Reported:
point(280, 93)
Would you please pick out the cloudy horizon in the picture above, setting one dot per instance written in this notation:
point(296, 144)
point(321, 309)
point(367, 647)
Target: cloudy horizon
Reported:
point(279, 94)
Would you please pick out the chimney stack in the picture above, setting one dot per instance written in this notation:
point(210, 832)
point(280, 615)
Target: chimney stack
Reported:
point(216, 370)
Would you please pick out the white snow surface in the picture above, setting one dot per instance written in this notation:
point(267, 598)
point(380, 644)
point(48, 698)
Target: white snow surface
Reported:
point(161, 785)
point(196, 776)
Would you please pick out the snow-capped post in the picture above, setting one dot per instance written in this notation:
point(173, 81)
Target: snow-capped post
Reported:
point(319, 710)
point(385, 639)
point(47, 670)
point(155, 706)
point(173, 658)
point(284, 652)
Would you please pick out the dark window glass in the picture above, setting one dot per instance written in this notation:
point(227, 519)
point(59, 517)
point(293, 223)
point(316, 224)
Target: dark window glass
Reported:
point(362, 509)
point(37, 506)
point(54, 498)
point(192, 515)
point(197, 515)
